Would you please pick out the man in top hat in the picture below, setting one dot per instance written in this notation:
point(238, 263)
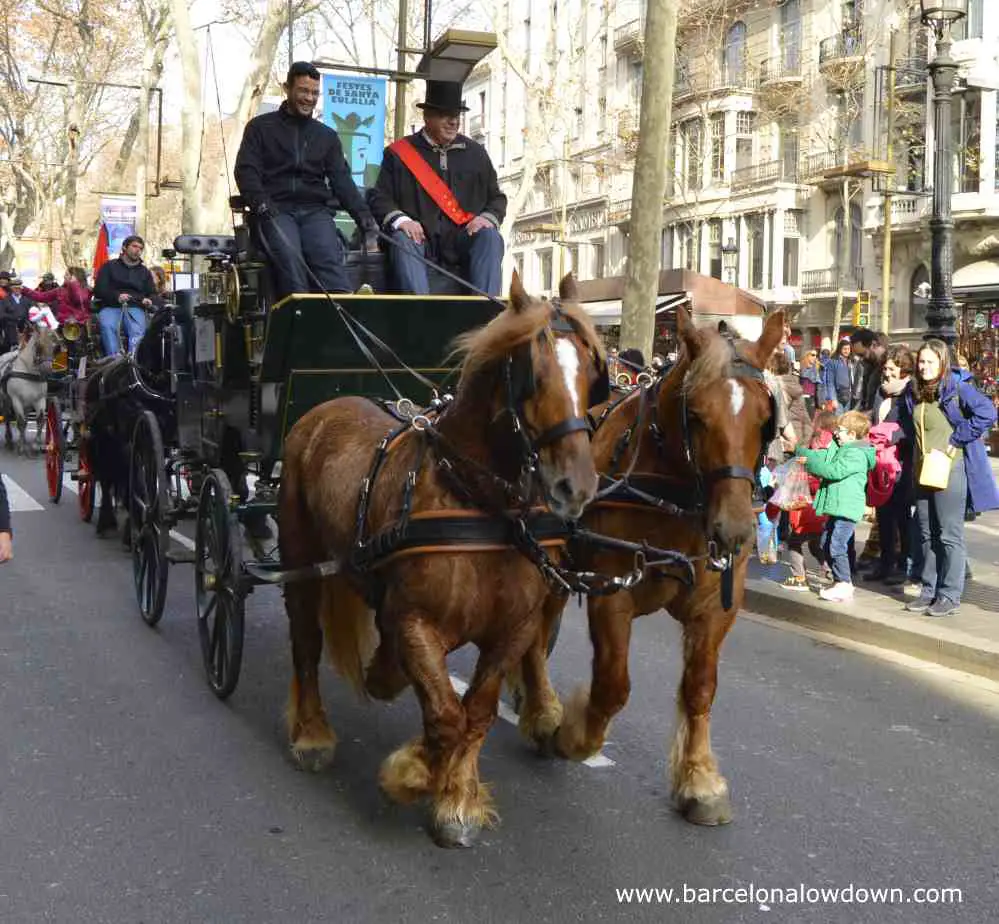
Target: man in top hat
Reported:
point(293, 174)
point(438, 196)
point(13, 313)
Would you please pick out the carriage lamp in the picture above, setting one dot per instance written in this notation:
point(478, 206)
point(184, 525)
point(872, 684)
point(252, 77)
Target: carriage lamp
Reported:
point(941, 315)
point(729, 253)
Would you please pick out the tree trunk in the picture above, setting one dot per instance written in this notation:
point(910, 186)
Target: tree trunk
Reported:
point(190, 120)
point(641, 284)
point(154, 73)
point(262, 56)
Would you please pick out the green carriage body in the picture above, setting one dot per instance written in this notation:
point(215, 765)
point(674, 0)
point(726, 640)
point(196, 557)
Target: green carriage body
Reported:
point(259, 374)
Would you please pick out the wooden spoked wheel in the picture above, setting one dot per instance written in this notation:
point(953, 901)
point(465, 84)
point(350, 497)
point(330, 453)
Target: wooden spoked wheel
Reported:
point(218, 584)
point(148, 517)
point(55, 454)
point(86, 488)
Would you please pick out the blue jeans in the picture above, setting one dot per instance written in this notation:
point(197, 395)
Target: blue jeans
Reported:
point(133, 323)
point(480, 262)
point(309, 234)
point(941, 529)
point(839, 549)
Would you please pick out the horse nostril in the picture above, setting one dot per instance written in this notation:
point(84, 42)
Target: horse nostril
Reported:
point(562, 489)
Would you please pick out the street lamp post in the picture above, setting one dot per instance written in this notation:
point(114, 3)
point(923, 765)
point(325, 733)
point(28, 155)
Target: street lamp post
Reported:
point(729, 253)
point(941, 315)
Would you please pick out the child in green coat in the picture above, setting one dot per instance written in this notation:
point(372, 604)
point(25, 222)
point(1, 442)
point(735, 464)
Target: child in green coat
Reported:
point(842, 469)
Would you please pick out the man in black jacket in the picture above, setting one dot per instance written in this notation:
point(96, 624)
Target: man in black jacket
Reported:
point(292, 172)
point(124, 288)
point(438, 196)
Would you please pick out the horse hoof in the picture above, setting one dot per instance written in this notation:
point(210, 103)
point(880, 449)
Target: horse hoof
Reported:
point(709, 812)
point(455, 834)
point(314, 759)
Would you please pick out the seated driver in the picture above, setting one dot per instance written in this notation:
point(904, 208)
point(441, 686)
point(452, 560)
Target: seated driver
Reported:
point(438, 197)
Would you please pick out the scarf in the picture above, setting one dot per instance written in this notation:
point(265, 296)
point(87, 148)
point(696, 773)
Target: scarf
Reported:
point(927, 392)
point(894, 388)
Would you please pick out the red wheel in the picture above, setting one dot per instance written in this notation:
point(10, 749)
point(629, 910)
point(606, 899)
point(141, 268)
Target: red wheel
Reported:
point(85, 482)
point(55, 455)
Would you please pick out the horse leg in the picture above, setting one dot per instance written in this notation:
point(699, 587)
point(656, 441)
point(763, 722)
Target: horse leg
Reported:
point(385, 677)
point(312, 740)
point(699, 790)
point(589, 712)
point(538, 704)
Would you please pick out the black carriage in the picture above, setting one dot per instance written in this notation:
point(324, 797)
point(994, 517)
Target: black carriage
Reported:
point(238, 371)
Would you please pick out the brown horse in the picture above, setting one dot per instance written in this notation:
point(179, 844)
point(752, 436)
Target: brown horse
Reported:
point(697, 435)
point(522, 395)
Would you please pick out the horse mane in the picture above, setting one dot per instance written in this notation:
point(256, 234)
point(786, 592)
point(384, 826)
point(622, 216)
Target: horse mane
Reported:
point(714, 361)
point(509, 329)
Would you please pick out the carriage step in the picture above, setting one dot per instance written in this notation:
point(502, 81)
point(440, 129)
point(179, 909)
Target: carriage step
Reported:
point(180, 556)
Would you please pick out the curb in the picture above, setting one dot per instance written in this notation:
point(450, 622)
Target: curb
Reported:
point(941, 645)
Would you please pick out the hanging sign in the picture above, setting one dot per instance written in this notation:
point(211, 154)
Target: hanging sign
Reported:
point(354, 107)
point(118, 214)
point(981, 320)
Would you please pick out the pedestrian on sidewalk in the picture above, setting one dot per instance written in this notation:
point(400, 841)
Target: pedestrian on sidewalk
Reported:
point(843, 469)
point(893, 515)
point(805, 526)
point(943, 411)
point(6, 535)
point(810, 377)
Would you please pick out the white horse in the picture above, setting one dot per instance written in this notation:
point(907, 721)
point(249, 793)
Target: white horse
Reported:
point(23, 385)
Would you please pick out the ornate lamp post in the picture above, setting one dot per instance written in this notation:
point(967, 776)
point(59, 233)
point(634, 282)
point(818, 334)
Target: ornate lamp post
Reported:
point(941, 315)
point(729, 253)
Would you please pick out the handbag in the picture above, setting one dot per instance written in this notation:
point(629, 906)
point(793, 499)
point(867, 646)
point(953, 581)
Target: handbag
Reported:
point(934, 472)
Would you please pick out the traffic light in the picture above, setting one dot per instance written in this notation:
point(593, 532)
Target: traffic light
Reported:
point(862, 309)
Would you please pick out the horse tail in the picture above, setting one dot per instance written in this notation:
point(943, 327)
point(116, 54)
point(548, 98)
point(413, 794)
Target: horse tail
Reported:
point(348, 629)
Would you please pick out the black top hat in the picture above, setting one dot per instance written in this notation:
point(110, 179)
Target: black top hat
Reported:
point(444, 96)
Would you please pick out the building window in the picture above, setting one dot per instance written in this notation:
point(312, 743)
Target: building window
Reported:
point(790, 35)
point(545, 266)
point(792, 247)
point(789, 147)
point(745, 131)
point(635, 82)
point(518, 264)
point(856, 242)
point(666, 248)
point(602, 114)
point(971, 26)
point(915, 161)
point(714, 248)
point(754, 228)
point(690, 154)
point(967, 129)
point(573, 260)
point(690, 247)
point(918, 303)
point(597, 259)
point(718, 147)
point(734, 55)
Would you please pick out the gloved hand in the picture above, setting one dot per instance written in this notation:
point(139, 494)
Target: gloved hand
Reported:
point(369, 227)
point(264, 210)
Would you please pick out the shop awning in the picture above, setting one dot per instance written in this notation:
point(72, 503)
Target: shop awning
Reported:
point(979, 279)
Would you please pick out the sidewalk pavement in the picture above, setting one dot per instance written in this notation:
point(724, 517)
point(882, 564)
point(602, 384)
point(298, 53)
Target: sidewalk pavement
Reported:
point(968, 640)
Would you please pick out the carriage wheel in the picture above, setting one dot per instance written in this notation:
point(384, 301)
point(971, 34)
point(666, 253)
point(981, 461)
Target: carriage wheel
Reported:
point(86, 489)
point(148, 506)
point(217, 584)
point(55, 455)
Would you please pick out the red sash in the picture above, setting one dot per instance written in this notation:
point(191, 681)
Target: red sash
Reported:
point(432, 184)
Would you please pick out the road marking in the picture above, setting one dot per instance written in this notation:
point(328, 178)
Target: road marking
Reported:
point(982, 528)
point(508, 715)
point(20, 500)
point(180, 538)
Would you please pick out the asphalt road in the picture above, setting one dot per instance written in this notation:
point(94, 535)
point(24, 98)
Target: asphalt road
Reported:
point(130, 794)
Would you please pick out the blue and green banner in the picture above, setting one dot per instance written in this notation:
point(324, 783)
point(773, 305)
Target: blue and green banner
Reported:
point(354, 107)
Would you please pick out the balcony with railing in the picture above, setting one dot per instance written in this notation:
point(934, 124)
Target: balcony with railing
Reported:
point(827, 281)
point(782, 68)
point(911, 77)
point(841, 57)
point(630, 37)
point(907, 211)
point(831, 167)
point(765, 174)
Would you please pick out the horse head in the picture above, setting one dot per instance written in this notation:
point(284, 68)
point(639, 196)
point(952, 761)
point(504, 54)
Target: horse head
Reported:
point(726, 418)
point(542, 365)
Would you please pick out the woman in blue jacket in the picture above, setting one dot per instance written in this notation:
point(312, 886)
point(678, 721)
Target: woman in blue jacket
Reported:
point(943, 410)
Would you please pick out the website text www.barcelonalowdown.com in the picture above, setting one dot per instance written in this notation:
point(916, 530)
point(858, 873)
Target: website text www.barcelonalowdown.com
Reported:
point(791, 895)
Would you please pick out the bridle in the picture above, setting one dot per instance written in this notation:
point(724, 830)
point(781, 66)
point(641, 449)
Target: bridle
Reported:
point(739, 368)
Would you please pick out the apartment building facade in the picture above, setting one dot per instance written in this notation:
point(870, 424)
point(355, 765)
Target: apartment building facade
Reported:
point(779, 159)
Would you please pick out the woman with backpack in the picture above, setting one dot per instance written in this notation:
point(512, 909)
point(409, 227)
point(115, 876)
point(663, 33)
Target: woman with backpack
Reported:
point(945, 416)
point(893, 506)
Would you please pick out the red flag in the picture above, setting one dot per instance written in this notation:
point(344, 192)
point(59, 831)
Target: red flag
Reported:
point(101, 250)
